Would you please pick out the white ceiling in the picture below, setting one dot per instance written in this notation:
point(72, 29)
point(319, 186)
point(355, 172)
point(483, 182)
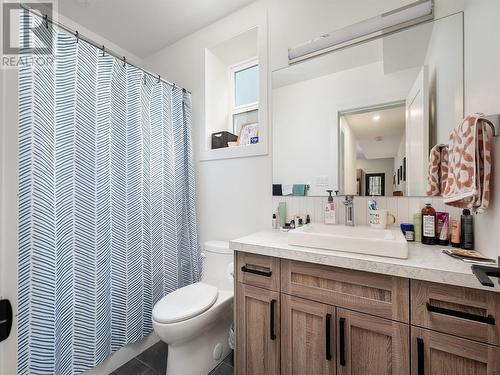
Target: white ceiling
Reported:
point(145, 27)
point(390, 127)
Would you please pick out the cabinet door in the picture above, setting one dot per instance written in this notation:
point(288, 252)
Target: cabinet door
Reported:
point(308, 337)
point(439, 353)
point(368, 345)
point(257, 331)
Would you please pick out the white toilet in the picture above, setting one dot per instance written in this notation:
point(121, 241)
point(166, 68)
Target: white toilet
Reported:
point(194, 320)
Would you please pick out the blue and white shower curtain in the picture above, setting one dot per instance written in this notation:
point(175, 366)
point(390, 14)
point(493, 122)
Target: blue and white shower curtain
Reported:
point(107, 222)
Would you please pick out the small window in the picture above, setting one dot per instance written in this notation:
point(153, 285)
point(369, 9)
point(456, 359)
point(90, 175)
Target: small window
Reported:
point(246, 86)
point(244, 96)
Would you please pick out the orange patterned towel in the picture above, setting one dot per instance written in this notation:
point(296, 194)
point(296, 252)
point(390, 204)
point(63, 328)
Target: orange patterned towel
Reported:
point(438, 170)
point(470, 164)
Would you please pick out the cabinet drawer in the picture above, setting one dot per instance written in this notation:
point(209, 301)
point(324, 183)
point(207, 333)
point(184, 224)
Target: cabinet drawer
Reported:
point(258, 270)
point(469, 313)
point(381, 295)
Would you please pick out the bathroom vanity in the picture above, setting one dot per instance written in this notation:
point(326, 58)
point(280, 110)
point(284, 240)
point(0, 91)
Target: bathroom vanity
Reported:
point(302, 310)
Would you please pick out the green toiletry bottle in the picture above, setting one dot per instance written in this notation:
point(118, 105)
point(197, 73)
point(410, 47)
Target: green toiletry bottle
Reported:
point(417, 225)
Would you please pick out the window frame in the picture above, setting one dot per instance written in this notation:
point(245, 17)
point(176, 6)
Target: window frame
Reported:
point(233, 108)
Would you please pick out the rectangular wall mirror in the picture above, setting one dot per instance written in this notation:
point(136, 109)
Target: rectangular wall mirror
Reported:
point(362, 120)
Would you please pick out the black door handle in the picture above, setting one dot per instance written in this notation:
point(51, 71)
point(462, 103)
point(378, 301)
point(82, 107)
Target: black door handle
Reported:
point(460, 314)
point(420, 356)
point(342, 341)
point(5, 319)
point(328, 343)
point(256, 272)
point(273, 333)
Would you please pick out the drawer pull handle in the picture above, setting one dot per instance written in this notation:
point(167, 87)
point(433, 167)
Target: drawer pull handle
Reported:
point(460, 314)
point(342, 341)
point(328, 338)
point(420, 356)
point(273, 334)
point(256, 272)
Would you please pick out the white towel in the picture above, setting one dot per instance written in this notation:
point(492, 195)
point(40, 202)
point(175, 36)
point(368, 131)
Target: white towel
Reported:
point(287, 189)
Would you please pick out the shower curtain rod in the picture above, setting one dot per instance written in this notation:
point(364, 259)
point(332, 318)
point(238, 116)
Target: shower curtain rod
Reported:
point(103, 48)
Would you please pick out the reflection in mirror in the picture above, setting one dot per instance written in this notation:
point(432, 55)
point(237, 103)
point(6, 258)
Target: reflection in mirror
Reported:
point(374, 149)
point(362, 120)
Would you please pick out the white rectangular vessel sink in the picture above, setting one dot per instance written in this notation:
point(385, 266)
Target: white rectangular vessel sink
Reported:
point(358, 239)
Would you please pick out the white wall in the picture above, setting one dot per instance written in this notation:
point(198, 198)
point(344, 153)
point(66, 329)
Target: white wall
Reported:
point(349, 167)
point(233, 195)
point(445, 51)
point(482, 94)
point(217, 116)
point(383, 165)
point(305, 121)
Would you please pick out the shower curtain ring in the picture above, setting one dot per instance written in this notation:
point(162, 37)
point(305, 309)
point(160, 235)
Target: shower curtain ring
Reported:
point(103, 50)
point(159, 78)
point(173, 87)
point(46, 19)
point(77, 36)
point(124, 61)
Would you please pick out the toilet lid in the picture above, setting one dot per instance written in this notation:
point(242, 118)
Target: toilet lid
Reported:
point(185, 303)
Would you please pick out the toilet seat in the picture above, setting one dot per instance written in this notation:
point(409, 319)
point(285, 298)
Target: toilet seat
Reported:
point(185, 303)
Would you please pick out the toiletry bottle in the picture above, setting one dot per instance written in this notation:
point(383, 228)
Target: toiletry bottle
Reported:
point(275, 222)
point(301, 223)
point(417, 225)
point(292, 224)
point(409, 232)
point(308, 219)
point(297, 220)
point(442, 228)
point(330, 215)
point(282, 213)
point(467, 230)
point(455, 233)
point(428, 225)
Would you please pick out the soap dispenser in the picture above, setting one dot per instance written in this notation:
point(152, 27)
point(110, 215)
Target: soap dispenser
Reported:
point(330, 210)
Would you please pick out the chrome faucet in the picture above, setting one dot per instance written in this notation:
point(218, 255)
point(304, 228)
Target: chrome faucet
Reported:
point(349, 210)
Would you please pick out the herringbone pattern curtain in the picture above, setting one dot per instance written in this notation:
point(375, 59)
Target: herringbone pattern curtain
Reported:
point(106, 200)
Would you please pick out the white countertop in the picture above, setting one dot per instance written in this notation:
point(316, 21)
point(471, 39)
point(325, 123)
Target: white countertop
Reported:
point(423, 263)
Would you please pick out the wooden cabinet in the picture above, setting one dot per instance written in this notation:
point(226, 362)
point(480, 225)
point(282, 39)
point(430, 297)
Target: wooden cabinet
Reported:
point(308, 337)
point(257, 331)
point(301, 318)
point(369, 345)
point(438, 353)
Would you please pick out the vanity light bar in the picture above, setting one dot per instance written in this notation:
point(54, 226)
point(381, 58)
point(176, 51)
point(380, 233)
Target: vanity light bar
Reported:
point(364, 31)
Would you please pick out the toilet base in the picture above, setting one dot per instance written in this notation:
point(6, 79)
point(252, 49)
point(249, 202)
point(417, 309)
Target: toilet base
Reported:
point(201, 354)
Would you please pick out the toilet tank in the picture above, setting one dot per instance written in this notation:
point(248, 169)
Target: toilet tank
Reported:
point(218, 266)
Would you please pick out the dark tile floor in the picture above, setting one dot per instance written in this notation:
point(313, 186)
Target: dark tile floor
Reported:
point(226, 367)
point(153, 361)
